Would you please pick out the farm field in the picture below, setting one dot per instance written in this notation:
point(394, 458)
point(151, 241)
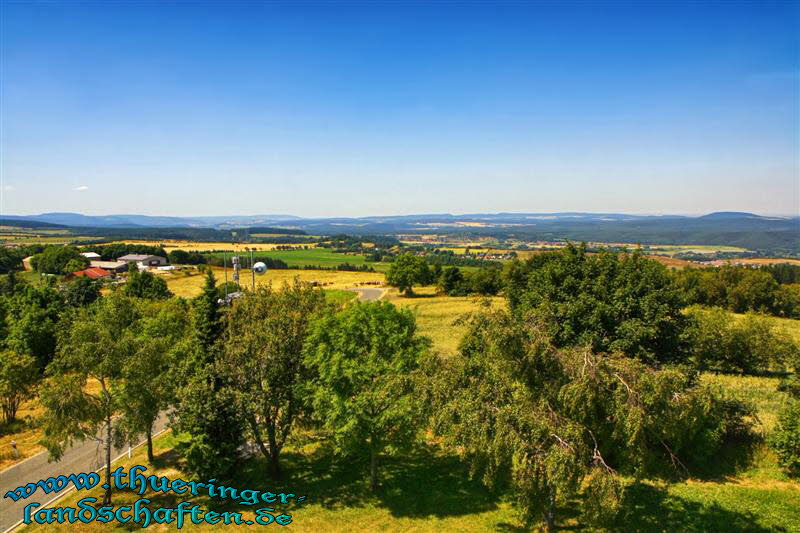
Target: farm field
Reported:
point(190, 286)
point(196, 246)
point(317, 257)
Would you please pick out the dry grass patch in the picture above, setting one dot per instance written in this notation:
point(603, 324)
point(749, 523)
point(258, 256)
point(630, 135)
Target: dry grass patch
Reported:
point(436, 314)
point(189, 286)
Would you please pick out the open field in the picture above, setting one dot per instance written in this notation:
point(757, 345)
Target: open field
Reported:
point(436, 314)
point(190, 286)
point(195, 246)
point(316, 257)
point(765, 261)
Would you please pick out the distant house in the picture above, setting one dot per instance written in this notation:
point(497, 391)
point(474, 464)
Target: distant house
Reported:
point(111, 266)
point(91, 256)
point(144, 261)
point(92, 273)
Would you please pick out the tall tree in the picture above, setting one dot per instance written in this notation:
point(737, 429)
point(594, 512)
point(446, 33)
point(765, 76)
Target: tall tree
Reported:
point(96, 346)
point(364, 360)
point(147, 385)
point(550, 421)
point(205, 408)
point(262, 361)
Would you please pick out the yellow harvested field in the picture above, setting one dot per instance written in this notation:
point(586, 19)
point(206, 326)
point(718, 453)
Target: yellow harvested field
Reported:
point(193, 246)
point(28, 437)
point(436, 314)
point(190, 286)
point(766, 261)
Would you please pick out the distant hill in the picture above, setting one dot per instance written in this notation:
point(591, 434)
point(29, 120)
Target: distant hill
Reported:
point(746, 230)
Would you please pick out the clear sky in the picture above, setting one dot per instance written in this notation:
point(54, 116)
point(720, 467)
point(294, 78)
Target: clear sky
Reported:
point(204, 108)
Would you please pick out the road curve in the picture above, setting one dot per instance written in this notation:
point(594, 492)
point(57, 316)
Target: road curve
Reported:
point(369, 294)
point(84, 456)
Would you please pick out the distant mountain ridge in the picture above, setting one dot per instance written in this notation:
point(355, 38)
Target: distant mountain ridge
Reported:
point(746, 230)
point(133, 220)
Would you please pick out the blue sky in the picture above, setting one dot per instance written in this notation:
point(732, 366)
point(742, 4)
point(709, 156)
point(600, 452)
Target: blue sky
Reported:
point(325, 109)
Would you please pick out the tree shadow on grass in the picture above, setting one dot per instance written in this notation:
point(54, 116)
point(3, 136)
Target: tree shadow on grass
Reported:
point(732, 459)
point(419, 483)
point(649, 508)
point(425, 483)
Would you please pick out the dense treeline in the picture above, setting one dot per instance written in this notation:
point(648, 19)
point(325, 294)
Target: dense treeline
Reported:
point(741, 289)
point(111, 252)
point(11, 256)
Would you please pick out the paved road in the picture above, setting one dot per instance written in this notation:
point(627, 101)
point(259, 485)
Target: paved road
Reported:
point(369, 294)
point(83, 457)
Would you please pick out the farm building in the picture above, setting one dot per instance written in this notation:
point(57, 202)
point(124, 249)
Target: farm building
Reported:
point(92, 273)
point(91, 256)
point(111, 266)
point(144, 261)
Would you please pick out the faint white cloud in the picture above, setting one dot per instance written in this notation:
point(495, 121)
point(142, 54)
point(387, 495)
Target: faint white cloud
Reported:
point(81, 188)
point(9, 188)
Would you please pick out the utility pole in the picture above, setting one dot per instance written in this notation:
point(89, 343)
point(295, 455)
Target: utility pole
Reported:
point(252, 270)
point(225, 270)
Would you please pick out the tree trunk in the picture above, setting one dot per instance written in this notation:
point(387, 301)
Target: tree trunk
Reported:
point(150, 456)
point(274, 453)
point(549, 514)
point(107, 494)
point(373, 469)
point(274, 465)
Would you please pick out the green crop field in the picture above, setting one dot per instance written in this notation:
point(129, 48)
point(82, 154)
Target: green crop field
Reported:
point(321, 257)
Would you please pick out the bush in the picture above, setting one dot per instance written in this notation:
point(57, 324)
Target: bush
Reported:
point(722, 343)
point(786, 438)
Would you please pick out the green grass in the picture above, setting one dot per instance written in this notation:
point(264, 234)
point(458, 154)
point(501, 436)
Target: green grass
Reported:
point(317, 257)
point(339, 297)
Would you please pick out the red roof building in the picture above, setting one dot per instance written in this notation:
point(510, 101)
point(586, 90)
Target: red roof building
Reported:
point(93, 273)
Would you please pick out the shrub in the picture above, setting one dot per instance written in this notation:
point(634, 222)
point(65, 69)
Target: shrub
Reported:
point(786, 438)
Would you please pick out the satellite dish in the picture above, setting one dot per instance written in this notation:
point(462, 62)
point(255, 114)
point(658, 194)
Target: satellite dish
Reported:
point(260, 268)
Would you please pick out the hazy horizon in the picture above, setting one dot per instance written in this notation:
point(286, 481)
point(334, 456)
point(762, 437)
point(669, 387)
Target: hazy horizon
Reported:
point(352, 109)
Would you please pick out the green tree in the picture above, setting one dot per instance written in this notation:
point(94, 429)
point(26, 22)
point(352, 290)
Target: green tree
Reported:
point(54, 259)
point(147, 385)
point(205, 409)
point(19, 375)
point(364, 360)
point(262, 360)
point(81, 292)
point(96, 346)
point(554, 422)
point(144, 284)
point(75, 265)
point(450, 280)
point(406, 271)
point(610, 302)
